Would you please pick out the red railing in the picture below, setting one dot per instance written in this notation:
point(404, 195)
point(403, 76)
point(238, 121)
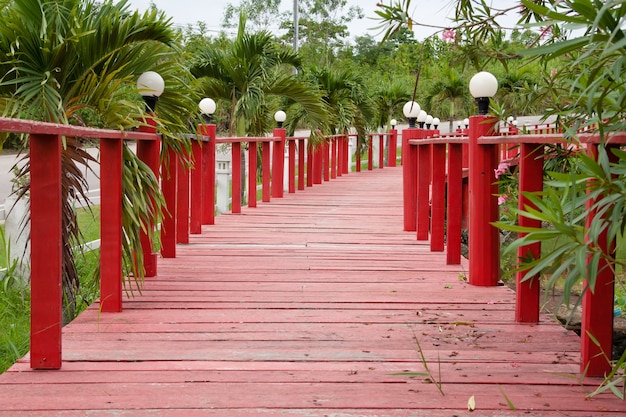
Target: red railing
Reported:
point(189, 193)
point(433, 164)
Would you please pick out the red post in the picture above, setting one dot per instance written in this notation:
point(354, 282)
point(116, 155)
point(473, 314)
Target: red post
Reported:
point(346, 154)
point(597, 315)
point(333, 158)
point(370, 153)
point(317, 164)
point(149, 152)
point(455, 203)
point(46, 255)
point(381, 151)
point(484, 243)
point(393, 146)
point(408, 176)
point(169, 173)
point(340, 156)
point(438, 209)
point(208, 169)
point(111, 225)
point(278, 163)
point(326, 159)
point(182, 201)
point(252, 166)
point(530, 180)
point(292, 166)
point(357, 157)
point(423, 188)
point(310, 162)
point(195, 217)
point(301, 163)
point(236, 178)
point(265, 172)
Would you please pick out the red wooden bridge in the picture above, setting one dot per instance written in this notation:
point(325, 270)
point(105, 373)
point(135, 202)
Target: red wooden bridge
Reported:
point(314, 303)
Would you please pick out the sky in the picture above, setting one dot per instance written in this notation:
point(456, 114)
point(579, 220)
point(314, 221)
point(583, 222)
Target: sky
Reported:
point(183, 12)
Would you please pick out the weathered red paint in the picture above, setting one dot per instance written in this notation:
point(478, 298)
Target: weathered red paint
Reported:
point(423, 187)
point(278, 163)
point(333, 158)
point(196, 191)
point(252, 168)
point(438, 207)
point(292, 166)
point(301, 163)
point(409, 154)
point(393, 146)
point(149, 152)
point(310, 162)
point(484, 243)
point(381, 151)
point(455, 203)
point(530, 181)
point(208, 169)
point(45, 245)
point(266, 192)
point(370, 152)
point(182, 200)
point(346, 163)
point(326, 159)
point(111, 225)
point(597, 314)
point(236, 177)
point(169, 182)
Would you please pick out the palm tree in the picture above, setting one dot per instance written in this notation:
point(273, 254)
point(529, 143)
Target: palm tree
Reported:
point(252, 72)
point(449, 96)
point(76, 61)
point(389, 100)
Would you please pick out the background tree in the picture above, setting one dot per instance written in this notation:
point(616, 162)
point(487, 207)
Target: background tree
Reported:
point(77, 62)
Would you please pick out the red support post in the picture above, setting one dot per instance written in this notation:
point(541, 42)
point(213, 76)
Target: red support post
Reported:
point(346, 154)
point(278, 163)
point(325, 160)
point(195, 217)
point(208, 169)
point(292, 166)
point(318, 164)
point(310, 162)
point(46, 252)
point(340, 156)
point(455, 203)
point(333, 158)
point(149, 152)
point(111, 225)
point(381, 151)
point(169, 173)
point(252, 168)
point(182, 201)
point(484, 242)
point(357, 157)
point(393, 146)
point(423, 188)
point(265, 172)
point(598, 300)
point(408, 176)
point(530, 181)
point(236, 178)
point(370, 153)
point(438, 209)
point(301, 163)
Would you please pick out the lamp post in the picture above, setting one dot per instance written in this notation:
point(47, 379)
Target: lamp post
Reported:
point(411, 110)
point(421, 118)
point(206, 159)
point(429, 121)
point(278, 163)
point(436, 123)
point(466, 122)
point(484, 243)
point(150, 85)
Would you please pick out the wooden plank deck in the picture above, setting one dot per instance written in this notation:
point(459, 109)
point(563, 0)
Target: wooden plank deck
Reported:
point(310, 306)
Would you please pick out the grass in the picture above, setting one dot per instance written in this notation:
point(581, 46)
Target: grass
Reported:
point(15, 296)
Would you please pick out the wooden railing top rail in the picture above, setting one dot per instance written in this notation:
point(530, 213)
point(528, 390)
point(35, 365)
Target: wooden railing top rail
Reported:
point(439, 140)
point(615, 138)
point(248, 139)
point(44, 128)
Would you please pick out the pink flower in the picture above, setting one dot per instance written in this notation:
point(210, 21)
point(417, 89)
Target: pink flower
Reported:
point(502, 169)
point(502, 199)
point(448, 35)
point(545, 31)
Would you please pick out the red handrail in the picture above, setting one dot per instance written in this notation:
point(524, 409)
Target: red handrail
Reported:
point(420, 166)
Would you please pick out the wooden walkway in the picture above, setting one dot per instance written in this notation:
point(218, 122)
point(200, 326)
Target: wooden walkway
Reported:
point(310, 306)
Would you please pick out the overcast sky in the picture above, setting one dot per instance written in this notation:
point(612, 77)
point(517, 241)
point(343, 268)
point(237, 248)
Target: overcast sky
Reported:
point(211, 12)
